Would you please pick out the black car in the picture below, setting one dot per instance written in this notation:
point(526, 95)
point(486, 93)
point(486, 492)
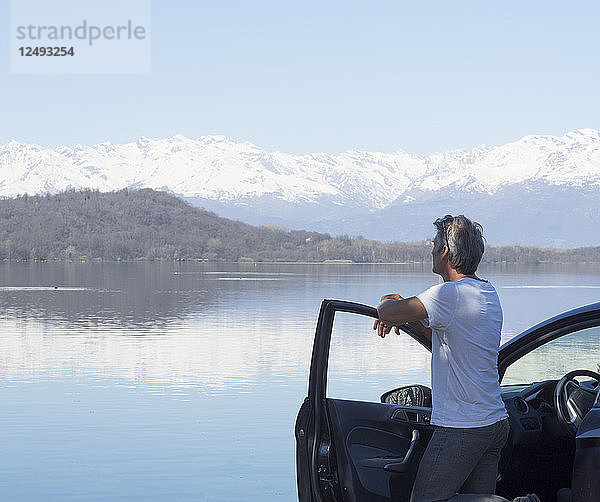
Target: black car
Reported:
point(358, 451)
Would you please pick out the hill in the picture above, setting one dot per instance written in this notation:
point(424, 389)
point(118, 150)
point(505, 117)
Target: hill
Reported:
point(153, 225)
point(148, 224)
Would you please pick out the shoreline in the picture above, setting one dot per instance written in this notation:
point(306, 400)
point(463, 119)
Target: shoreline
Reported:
point(340, 262)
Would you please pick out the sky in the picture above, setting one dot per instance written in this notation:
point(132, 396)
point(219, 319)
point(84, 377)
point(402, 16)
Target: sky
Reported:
point(329, 76)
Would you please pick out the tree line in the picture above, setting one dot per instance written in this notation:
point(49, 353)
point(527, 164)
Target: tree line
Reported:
point(152, 225)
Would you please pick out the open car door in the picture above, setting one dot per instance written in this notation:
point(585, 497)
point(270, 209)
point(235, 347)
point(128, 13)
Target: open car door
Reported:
point(357, 451)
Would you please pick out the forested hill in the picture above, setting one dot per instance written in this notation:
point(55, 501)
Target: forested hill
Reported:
point(147, 224)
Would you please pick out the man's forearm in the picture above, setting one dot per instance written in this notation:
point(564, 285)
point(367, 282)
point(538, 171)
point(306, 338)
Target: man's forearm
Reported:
point(396, 312)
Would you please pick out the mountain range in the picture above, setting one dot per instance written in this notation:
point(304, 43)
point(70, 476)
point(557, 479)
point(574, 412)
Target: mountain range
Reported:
point(539, 190)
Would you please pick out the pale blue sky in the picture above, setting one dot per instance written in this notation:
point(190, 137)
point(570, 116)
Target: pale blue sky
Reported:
point(329, 76)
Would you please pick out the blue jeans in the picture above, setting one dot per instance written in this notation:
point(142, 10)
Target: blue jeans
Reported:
point(461, 460)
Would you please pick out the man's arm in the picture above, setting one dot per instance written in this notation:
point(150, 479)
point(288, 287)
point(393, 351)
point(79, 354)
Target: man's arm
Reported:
point(393, 310)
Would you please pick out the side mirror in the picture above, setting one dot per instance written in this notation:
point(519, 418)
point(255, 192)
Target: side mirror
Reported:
point(411, 395)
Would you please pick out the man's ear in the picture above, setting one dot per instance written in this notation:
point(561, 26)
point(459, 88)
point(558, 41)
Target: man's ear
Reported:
point(445, 253)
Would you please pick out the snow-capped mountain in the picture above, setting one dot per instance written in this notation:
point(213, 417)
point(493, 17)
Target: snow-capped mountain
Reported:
point(538, 190)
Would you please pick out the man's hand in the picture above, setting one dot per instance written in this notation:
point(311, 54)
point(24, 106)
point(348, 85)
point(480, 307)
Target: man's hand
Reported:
point(383, 329)
point(394, 311)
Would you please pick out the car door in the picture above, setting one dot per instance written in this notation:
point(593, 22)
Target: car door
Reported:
point(582, 325)
point(355, 451)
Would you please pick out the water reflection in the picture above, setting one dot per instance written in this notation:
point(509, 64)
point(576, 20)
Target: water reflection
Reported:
point(136, 295)
point(191, 358)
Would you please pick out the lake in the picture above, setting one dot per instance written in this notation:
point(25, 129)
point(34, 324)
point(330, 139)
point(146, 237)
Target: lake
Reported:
point(181, 381)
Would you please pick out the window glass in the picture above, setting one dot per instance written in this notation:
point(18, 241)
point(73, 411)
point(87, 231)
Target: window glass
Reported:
point(362, 366)
point(551, 361)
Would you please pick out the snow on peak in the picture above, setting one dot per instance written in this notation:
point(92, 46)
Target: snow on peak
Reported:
point(221, 169)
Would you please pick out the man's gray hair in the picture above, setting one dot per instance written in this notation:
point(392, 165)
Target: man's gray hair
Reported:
point(464, 240)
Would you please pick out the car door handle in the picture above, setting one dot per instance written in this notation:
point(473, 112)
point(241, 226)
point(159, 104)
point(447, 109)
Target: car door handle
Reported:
point(393, 464)
point(402, 465)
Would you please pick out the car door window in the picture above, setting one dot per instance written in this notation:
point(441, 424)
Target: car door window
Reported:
point(362, 366)
point(577, 350)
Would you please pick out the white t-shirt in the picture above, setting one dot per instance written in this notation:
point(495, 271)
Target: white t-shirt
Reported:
point(465, 318)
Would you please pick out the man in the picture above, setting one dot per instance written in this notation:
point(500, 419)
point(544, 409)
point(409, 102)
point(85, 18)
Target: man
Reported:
point(462, 316)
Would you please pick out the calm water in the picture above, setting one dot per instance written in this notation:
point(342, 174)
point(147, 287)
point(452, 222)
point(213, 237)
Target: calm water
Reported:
point(182, 381)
